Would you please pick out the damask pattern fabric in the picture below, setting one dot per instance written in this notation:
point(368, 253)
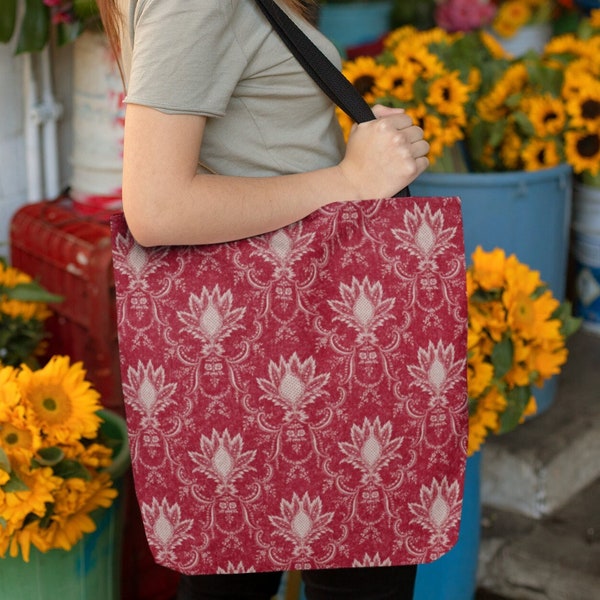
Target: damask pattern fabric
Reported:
point(298, 400)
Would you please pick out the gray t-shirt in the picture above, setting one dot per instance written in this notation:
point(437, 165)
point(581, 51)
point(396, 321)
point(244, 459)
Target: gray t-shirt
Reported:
point(221, 59)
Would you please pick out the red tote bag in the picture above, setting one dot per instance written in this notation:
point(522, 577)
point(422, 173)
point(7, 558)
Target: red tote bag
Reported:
point(297, 400)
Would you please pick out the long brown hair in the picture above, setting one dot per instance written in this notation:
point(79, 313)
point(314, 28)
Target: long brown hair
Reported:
point(112, 19)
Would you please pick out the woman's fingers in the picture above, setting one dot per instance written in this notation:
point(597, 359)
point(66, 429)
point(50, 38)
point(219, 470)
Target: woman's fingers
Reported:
point(386, 154)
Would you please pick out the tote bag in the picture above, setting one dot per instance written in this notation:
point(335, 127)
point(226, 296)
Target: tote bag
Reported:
point(297, 400)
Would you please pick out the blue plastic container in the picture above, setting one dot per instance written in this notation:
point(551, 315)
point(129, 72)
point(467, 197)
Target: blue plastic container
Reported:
point(355, 23)
point(586, 255)
point(526, 213)
point(454, 575)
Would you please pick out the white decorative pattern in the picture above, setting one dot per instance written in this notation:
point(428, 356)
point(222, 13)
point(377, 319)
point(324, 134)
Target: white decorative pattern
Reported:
point(298, 400)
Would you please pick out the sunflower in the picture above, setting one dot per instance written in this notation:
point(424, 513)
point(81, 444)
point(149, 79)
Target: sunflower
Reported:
point(448, 94)
point(398, 81)
point(345, 122)
point(546, 113)
point(584, 107)
point(62, 402)
point(75, 501)
point(10, 278)
point(583, 150)
point(510, 17)
point(484, 417)
point(516, 339)
point(510, 151)
point(541, 154)
point(493, 46)
point(363, 74)
point(492, 106)
point(426, 64)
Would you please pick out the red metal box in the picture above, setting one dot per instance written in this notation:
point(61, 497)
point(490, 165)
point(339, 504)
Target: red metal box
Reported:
point(70, 255)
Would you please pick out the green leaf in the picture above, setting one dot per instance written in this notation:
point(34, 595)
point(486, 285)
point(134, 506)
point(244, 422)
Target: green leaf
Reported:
point(8, 20)
point(69, 469)
point(35, 28)
point(570, 324)
point(502, 357)
point(4, 462)
point(14, 484)
point(29, 292)
point(49, 457)
point(85, 9)
point(68, 32)
point(517, 400)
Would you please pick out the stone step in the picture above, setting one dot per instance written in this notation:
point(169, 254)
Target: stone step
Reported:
point(540, 466)
point(553, 558)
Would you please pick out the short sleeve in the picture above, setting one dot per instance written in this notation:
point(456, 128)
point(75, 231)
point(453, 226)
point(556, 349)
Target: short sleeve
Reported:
point(185, 57)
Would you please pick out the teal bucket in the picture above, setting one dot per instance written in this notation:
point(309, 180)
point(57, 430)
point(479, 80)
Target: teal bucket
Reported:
point(355, 23)
point(91, 570)
point(526, 213)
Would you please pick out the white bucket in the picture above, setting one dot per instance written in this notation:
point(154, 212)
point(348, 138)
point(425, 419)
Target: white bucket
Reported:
point(586, 252)
point(98, 116)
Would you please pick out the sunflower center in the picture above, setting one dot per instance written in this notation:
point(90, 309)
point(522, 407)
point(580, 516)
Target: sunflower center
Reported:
point(49, 404)
point(52, 404)
point(524, 313)
point(589, 145)
point(16, 438)
point(550, 116)
point(590, 109)
point(399, 81)
point(541, 156)
point(446, 94)
point(364, 84)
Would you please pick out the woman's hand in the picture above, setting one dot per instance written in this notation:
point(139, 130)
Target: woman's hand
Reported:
point(385, 155)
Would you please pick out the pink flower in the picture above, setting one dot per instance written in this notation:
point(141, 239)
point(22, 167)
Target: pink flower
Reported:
point(464, 15)
point(61, 11)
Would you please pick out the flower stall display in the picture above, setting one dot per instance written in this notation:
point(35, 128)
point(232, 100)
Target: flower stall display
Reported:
point(23, 311)
point(491, 111)
point(543, 109)
point(52, 458)
point(516, 340)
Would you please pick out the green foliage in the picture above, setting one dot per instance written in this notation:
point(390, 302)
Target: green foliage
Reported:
point(34, 30)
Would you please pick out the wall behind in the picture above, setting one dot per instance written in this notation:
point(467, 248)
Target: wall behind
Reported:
point(13, 155)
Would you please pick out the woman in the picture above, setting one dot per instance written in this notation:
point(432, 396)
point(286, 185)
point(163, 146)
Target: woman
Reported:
point(210, 83)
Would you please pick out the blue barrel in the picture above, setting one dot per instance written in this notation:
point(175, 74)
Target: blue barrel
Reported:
point(526, 213)
point(454, 575)
point(354, 23)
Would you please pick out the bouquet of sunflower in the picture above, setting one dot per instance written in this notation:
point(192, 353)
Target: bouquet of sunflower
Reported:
point(482, 110)
point(512, 15)
point(23, 312)
point(541, 110)
point(52, 457)
point(516, 340)
point(434, 75)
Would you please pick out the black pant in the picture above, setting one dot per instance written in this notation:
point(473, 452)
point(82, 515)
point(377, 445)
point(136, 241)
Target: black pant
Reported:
point(370, 583)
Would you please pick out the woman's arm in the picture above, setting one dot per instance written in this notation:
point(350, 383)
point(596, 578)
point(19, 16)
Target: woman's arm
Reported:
point(166, 202)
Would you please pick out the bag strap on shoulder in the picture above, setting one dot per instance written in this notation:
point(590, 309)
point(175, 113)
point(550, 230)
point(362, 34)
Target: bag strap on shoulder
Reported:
point(319, 67)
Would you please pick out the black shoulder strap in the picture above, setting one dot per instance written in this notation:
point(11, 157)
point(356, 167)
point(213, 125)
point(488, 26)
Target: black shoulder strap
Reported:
point(319, 67)
point(316, 64)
